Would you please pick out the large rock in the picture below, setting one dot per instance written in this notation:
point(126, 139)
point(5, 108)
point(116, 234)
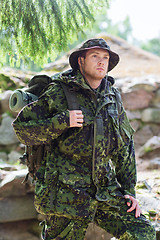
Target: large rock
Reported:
point(154, 163)
point(95, 232)
point(21, 230)
point(151, 148)
point(7, 135)
point(13, 157)
point(156, 100)
point(17, 209)
point(3, 156)
point(133, 115)
point(137, 99)
point(147, 83)
point(148, 201)
point(142, 135)
point(4, 101)
point(16, 199)
point(12, 186)
point(155, 128)
point(151, 115)
point(148, 194)
point(137, 93)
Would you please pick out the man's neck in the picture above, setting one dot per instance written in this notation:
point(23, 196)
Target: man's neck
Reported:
point(94, 83)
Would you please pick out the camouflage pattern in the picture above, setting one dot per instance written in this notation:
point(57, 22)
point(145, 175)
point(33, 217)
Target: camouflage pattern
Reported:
point(83, 167)
point(120, 224)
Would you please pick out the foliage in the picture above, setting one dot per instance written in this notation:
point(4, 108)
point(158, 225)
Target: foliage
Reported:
point(125, 29)
point(38, 29)
point(147, 149)
point(122, 29)
point(6, 83)
point(104, 24)
point(152, 45)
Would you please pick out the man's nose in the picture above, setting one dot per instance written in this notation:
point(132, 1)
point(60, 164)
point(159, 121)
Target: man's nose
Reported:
point(101, 61)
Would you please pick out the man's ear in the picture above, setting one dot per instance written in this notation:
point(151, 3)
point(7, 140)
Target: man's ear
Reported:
point(80, 61)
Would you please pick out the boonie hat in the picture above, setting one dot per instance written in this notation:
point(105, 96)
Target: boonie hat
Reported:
point(94, 43)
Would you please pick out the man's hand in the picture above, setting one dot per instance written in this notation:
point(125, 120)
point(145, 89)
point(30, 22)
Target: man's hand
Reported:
point(76, 118)
point(134, 205)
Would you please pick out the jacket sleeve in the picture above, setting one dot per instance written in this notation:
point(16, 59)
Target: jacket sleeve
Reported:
point(43, 120)
point(125, 158)
point(126, 169)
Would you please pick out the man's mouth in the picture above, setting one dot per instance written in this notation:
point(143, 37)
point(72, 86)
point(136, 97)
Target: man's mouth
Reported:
point(100, 69)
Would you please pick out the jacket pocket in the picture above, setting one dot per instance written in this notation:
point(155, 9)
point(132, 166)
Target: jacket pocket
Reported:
point(113, 113)
point(123, 129)
point(126, 131)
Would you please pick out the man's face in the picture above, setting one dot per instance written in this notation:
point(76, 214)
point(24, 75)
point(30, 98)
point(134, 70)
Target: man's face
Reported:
point(95, 64)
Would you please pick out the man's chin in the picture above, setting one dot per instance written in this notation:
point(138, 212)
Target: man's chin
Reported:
point(100, 76)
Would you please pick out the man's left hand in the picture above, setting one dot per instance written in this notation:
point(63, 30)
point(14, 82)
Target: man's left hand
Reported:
point(134, 205)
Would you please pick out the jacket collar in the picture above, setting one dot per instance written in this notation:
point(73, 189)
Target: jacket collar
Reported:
point(77, 80)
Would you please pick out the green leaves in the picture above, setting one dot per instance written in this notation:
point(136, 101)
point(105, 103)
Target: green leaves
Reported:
point(39, 29)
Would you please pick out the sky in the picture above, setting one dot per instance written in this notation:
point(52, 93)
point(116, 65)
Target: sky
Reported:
point(144, 16)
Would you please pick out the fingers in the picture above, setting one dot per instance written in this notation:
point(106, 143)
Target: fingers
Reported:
point(76, 118)
point(128, 200)
point(134, 205)
point(138, 210)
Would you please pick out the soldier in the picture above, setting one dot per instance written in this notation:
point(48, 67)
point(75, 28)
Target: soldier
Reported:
point(88, 171)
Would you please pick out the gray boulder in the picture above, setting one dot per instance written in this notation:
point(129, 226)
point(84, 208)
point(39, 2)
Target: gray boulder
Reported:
point(4, 101)
point(17, 209)
point(16, 199)
point(151, 115)
point(12, 186)
point(151, 148)
point(7, 135)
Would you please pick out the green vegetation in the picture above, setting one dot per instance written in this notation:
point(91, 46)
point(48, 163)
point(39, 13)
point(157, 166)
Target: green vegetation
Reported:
point(38, 29)
point(140, 185)
point(6, 83)
point(147, 149)
point(152, 45)
point(152, 213)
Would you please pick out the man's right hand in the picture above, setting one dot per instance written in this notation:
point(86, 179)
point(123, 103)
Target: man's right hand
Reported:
point(76, 118)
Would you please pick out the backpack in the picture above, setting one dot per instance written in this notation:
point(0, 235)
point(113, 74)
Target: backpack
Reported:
point(36, 87)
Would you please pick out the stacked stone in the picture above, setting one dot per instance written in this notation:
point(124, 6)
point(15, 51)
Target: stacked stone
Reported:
point(141, 99)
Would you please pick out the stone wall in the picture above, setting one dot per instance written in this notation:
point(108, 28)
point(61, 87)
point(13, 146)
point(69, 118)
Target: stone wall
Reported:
point(141, 99)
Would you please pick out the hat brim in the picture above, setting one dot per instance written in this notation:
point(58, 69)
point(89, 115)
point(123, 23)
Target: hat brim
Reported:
point(113, 60)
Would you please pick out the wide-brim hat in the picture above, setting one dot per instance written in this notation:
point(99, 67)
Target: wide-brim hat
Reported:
point(90, 44)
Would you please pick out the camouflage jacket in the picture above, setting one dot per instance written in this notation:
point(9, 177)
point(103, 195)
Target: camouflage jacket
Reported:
point(100, 154)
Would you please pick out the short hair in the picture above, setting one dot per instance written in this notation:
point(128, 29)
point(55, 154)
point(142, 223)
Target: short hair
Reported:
point(82, 54)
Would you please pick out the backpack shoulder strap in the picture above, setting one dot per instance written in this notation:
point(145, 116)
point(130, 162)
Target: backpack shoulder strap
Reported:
point(71, 97)
point(118, 101)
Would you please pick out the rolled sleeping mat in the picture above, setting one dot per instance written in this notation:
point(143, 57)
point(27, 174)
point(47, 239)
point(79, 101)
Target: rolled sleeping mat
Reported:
point(19, 99)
